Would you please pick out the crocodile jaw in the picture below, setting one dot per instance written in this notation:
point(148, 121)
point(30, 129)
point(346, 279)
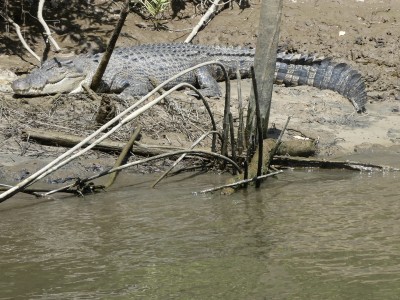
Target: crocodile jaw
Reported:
point(23, 86)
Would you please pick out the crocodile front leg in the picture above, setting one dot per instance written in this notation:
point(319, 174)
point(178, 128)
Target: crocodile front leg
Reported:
point(127, 86)
point(208, 85)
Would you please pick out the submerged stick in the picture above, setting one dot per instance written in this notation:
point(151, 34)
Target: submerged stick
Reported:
point(330, 164)
point(257, 178)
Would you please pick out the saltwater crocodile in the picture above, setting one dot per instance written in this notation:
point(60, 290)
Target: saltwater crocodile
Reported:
point(130, 68)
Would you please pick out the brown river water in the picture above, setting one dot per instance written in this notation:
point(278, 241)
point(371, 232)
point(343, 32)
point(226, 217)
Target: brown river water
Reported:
point(306, 234)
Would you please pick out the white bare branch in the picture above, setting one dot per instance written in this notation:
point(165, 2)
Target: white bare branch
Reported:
point(46, 28)
point(208, 15)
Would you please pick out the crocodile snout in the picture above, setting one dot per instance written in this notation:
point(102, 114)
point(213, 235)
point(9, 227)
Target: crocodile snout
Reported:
point(20, 85)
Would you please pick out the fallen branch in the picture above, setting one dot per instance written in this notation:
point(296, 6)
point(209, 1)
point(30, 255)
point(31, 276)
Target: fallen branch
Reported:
point(56, 138)
point(329, 164)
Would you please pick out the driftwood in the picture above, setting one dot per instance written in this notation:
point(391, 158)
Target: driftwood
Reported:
point(55, 138)
point(329, 164)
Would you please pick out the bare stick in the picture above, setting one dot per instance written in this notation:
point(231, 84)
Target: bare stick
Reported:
point(110, 47)
point(182, 157)
point(208, 15)
point(123, 156)
point(44, 24)
point(258, 178)
point(278, 143)
point(21, 38)
point(240, 135)
point(233, 144)
point(225, 126)
point(259, 128)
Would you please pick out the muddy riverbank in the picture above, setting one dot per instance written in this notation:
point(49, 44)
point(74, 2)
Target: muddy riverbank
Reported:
point(368, 40)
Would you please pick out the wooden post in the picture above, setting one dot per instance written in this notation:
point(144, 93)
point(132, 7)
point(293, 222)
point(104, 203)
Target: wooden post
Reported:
point(264, 63)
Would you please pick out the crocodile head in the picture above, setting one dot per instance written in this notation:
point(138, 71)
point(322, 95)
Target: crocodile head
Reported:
point(54, 76)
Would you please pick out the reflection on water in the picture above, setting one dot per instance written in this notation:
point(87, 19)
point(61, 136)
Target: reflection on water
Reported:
point(303, 235)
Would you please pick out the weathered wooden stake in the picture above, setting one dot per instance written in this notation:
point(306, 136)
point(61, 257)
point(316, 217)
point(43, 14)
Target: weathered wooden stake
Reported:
point(264, 62)
point(110, 47)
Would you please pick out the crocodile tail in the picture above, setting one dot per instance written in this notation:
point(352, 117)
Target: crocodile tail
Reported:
point(295, 69)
